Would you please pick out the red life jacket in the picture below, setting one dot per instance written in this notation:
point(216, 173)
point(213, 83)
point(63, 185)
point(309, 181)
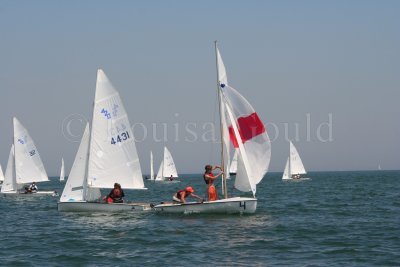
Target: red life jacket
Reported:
point(207, 181)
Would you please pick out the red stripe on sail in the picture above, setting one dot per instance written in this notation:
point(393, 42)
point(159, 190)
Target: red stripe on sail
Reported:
point(249, 127)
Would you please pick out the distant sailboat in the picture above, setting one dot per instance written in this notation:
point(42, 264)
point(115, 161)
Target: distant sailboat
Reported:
point(1, 175)
point(167, 170)
point(62, 175)
point(233, 165)
point(294, 166)
point(106, 155)
point(152, 177)
point(379, 167)
point(24, 165)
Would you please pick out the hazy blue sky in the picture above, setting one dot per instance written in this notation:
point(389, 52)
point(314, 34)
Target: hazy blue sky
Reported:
point(293, 60)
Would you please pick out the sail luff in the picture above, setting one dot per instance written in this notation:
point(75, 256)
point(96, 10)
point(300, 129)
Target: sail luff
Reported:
point(221, 79)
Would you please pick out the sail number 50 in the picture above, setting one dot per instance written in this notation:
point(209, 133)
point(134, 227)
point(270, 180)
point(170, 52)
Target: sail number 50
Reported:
point(120, 138)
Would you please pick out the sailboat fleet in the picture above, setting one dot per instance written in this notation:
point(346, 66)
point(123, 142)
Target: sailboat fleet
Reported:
point(107, 157)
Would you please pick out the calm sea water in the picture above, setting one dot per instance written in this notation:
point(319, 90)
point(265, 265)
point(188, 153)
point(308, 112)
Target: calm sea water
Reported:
point(336, 219)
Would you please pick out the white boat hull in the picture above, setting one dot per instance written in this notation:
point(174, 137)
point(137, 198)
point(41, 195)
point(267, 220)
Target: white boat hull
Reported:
point(296, 179)
point(234, 205)
point(37, 194)
point(102, 207)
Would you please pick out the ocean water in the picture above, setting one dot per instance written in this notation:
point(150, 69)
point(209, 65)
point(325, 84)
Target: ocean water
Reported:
point(335, 219)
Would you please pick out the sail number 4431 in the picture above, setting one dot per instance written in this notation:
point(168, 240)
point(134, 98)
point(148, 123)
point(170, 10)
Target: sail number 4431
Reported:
point(120, 138)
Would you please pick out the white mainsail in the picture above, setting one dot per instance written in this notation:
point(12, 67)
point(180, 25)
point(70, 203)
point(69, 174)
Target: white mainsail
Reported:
point(233, 167)
point(167, 167)
point(10, 183)
point(1, 174)
point(296, 165)
point(160, 176)
point(247, 133)
point(151, 166)
point(76, 188)
point(286, 175)
point(29, 167)
point(112, 154)
point(62, 174)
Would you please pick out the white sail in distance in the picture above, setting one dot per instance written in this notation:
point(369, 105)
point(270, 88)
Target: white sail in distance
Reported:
point(28, 164)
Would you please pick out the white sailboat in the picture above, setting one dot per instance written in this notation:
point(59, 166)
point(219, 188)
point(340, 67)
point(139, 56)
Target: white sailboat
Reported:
point(152, 177)
point(1, 175)
point(62, 173)
point(240, 124)
point(167, 170)
point(379, 167)
point(106, 155)
point(233, 165)
point(294, 167)
point(24, 165)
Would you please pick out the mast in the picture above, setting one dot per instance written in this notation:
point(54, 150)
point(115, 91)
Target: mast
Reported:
point(220, 125)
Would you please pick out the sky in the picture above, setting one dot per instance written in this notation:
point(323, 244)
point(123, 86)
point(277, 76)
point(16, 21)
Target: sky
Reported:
point(324, 74)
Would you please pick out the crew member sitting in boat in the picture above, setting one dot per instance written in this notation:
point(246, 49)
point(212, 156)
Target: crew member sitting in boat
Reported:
point(116, 195)
point(171, 178)
point(181, 195)
point(209, 178)
point(31, 189)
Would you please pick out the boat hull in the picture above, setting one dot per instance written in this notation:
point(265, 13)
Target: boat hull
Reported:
point(37, 194)
point(236, 205)
point(297, 179)
point(102, 207)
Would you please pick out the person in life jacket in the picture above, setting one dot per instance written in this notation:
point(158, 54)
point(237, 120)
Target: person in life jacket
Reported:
point(32, 188)
point(209, 178)
point(181, 195)
point(116, 195)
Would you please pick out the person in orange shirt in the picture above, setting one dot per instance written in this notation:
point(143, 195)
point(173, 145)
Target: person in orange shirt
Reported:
point(209, 178)
point(181, 195)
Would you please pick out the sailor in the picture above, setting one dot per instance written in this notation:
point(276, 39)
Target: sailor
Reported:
point(116, 195)
point(181, 195)
point(209, 178)
point(32, 188)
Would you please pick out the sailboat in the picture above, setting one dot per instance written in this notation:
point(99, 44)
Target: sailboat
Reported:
point(167, 170)
point(24, 165)
point(1, 176)
point(294, 167)
point(233, 165)
point(152, 177)
point(241, 125)
point(62, 175)
point(379, 167)
point(106, 155)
